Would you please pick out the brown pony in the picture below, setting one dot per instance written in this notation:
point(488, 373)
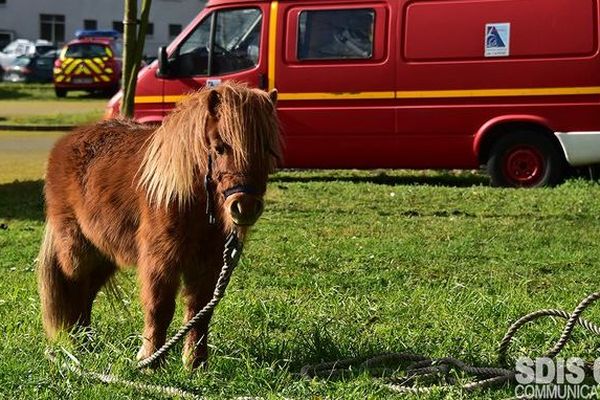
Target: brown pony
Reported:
point(120, 193)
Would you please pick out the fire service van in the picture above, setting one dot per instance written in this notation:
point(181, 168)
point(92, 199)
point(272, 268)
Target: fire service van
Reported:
point(511, 84)
point(89, 63)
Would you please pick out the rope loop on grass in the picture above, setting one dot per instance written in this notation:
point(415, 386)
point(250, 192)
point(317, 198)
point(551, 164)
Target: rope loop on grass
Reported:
point(421, 367)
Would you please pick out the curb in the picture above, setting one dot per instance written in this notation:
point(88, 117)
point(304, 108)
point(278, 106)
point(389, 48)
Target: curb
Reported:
point(40, 128)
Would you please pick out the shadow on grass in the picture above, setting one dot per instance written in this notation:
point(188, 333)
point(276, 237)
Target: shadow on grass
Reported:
point(22, 200)
point(447, 180)
point(11, 94)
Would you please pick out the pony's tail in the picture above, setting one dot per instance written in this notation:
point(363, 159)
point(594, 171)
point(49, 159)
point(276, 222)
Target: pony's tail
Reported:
point(52, 286)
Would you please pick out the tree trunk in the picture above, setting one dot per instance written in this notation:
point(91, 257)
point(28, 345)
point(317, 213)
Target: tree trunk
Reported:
point(133, 50)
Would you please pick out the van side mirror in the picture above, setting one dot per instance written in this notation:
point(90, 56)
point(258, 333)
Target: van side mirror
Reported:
point(163, 61)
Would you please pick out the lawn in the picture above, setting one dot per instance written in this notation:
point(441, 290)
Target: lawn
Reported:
point(36, 104)
point(342, 264)
point(41, 91)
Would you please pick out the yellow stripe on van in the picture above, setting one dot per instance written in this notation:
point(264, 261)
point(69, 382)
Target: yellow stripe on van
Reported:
point(336, 96)
point(437, 94)
point(426, 94)
point(157, 99)
point(272, 43)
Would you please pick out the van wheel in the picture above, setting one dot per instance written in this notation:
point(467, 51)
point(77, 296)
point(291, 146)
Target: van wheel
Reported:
point(525, 159)
point(60, 92)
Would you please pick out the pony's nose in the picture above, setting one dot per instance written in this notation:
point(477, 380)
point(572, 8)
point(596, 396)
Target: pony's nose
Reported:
point(245, 210)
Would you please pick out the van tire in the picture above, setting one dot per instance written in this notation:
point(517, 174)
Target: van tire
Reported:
point(525, 159)
point(60, 92)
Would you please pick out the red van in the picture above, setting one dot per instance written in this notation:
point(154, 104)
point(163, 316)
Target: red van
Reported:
point(511, 84)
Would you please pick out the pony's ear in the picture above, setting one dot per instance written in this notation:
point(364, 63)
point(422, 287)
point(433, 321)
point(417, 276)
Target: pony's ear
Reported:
point(213, 102)
point(273, 96)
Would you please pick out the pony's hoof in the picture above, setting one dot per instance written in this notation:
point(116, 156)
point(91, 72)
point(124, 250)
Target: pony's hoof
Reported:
point(144, 352)
point(194, 363)
point(194, 358)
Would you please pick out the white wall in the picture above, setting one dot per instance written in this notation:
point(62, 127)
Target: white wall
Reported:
point(23, 16)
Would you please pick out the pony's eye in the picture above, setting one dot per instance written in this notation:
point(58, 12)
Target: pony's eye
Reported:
point(220, 149)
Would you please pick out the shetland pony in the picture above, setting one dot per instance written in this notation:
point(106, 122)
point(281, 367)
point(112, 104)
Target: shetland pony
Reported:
point(119, 194)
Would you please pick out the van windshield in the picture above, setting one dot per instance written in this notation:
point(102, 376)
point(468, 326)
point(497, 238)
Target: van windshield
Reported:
point(235, 46)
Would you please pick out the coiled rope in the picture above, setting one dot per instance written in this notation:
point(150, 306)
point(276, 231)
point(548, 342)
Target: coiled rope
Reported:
point(421, 367)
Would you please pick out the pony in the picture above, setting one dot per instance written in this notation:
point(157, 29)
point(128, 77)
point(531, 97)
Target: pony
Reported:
point(163, 199)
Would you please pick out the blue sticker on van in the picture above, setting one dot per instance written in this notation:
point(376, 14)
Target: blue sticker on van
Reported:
point(497, 40)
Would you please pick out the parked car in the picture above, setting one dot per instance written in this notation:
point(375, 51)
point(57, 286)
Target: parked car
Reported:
point(91, 63)
point(36, 68)
point(511, 84)
point(21, 47)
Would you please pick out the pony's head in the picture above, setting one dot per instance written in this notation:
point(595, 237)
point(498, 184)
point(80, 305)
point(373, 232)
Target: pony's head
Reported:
point(242, 138)
point(228, 134)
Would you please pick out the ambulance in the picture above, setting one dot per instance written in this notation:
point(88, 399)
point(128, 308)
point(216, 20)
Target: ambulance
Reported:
point(90, 63)
point(513, 85)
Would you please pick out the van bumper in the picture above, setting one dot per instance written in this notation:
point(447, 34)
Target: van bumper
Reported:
point(580, 148)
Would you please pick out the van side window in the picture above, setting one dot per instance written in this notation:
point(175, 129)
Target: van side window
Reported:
point(235, 45)
point(336, 34)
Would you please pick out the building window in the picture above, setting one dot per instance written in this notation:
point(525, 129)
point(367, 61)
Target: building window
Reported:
point(336, 34)
point(52, 27)
point(150, 30)
point(174, 30)
point(118, 26)
point(90, 24)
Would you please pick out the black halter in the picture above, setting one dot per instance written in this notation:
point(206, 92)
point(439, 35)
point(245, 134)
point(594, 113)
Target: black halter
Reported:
point(247, 189)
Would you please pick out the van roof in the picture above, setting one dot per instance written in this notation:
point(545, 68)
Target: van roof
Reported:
point(224, 2)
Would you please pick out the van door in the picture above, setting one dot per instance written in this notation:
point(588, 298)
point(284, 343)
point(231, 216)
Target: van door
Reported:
point(335, 75)
point(226, 44)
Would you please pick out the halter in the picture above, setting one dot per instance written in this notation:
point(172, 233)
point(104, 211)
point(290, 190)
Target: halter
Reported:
point(246, 189)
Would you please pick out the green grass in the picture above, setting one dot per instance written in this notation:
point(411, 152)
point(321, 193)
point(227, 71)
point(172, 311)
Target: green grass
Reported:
point(40, 91)
point(81, 118)
point(342, 264)
point(23, 155)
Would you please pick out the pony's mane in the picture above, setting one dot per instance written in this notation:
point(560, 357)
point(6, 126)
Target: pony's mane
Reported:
point(177, 152)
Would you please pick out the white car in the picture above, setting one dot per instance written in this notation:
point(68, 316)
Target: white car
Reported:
point(22, 47)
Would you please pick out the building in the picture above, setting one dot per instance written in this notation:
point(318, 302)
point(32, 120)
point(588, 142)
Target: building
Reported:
point(57, 20)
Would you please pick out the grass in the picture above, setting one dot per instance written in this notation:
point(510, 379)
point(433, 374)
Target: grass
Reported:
point(23, 154)
point(40, 91)
point(342, 264)
point(60, 118)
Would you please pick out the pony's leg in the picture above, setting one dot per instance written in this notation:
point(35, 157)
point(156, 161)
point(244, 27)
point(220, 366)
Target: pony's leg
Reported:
point(103, 271)
point(71, 271)
point(159, 288)
point(199, 285)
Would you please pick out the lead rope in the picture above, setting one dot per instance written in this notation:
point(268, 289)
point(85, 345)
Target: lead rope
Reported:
point(231, 255)
point(419, 367)
point(424, 367)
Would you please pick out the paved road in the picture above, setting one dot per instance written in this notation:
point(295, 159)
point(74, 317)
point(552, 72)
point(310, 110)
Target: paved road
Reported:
point(23, 155)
